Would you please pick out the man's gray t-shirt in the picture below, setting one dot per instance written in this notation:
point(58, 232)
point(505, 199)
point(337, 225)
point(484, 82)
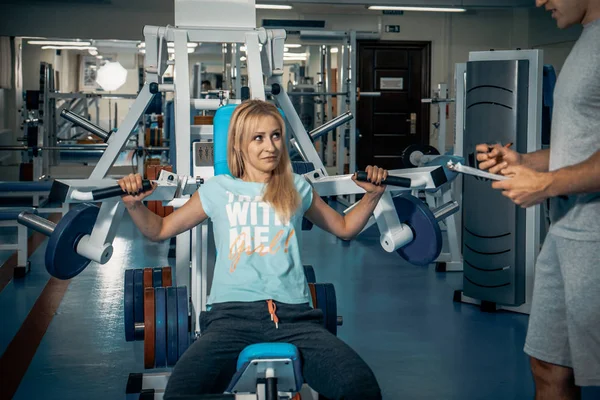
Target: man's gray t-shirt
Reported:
point(576, 134)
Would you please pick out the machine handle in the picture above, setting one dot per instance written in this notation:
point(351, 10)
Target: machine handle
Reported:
point(114, 191)
point(390, 180)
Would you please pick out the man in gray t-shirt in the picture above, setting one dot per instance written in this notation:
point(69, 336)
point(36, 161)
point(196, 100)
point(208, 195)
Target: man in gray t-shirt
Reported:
point(563, 338)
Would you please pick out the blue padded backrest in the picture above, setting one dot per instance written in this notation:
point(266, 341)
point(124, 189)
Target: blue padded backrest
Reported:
point(220, 133)
point(221, 130)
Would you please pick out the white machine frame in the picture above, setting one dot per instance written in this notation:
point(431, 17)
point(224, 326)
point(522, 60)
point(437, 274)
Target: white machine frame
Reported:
point(98, 245)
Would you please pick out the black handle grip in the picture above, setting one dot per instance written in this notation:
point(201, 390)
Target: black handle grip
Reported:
point(390, 180)
point(114, 191)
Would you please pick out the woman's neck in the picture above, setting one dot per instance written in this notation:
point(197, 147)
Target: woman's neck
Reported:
point(256, 176)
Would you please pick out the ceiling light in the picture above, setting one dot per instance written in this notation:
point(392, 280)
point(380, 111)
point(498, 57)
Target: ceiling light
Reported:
point(292, 45)
point(402, 8)
point(58, 43)
point(334, 50)
point(111, 76)
point(69, 48)
point(273, 7)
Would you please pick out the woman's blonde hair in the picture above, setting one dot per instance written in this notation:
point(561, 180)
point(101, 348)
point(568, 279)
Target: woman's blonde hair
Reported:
point(280, 192)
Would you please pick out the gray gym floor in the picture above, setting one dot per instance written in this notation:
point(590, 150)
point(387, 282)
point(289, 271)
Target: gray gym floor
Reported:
point(400, 318)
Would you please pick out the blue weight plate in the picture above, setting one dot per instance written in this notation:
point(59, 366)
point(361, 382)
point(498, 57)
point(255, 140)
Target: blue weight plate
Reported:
point(322, 302)
point(331, 320)
point(138, 296)
point(157, 277)
point(160, 304)
point(427, 242)
point(309, 272)
point(128, 307)
point(172, 348)
point(182, 320)
point(62, 260)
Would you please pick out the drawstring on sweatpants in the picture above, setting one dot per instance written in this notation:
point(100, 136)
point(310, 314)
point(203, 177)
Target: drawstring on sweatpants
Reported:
point(272, 309)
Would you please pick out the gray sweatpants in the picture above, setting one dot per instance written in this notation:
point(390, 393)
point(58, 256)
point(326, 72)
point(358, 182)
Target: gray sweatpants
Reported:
point(329, 366)
point(564, 325)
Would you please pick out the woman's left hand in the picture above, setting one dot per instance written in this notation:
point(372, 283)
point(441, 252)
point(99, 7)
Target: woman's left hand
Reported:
point(375, 176)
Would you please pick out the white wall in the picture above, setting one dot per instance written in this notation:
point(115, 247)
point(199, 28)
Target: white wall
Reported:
point(119, 19)
point(556, 43)
point(452, 36)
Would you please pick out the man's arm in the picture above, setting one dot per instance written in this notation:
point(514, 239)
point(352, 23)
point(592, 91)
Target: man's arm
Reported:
point(575, 179)
point(538, 160)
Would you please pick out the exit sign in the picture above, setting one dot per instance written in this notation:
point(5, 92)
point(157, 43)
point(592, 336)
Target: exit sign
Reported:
point(392, 28)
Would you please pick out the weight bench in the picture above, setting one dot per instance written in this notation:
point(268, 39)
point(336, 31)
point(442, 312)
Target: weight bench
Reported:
point(37, 190)
point(8, 218)
point(8, 215)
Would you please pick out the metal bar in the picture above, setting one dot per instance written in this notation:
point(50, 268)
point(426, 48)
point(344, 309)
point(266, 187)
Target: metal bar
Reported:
point(298, 131)
point(36, 223)
point(445, 210)
point(80, 148)
point(118, 139)
point(331, 125)
point(85, 124)
point(183, 145)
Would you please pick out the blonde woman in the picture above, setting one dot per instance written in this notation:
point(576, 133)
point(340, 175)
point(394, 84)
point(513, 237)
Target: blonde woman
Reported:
point(259, 292)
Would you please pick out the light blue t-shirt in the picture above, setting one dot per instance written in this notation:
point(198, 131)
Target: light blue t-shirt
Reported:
point(258, 257)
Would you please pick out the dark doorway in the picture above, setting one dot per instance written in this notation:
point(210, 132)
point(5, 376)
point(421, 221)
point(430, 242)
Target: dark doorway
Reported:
point(390, 123)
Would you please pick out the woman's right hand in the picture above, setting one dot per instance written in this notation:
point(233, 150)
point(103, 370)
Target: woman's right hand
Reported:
point(132, 184)
point(496, 157)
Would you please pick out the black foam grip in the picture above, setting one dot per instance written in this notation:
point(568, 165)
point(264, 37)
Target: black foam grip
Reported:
point(114, 191)
point(390, 180)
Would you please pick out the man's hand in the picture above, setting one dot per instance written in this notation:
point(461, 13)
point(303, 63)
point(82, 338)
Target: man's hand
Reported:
point(496, 157)
point(526, 187)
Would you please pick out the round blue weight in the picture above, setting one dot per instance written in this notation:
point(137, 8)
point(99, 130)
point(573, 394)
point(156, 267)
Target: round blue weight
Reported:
point(309, 273)
point(62, 260)
point(331, 319)
point(128, 307)
point(172, 348)
point(182, 320)
point(160, 303)
point(138, 299)
point(321, 293)
point(427, 242)
point(157, 277)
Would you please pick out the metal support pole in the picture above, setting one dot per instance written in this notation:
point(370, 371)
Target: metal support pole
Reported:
point(183, 143)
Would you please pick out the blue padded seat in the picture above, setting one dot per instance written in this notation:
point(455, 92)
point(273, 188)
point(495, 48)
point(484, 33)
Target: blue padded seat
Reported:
point(11, 214)
point(279, 356)
point(25, 186)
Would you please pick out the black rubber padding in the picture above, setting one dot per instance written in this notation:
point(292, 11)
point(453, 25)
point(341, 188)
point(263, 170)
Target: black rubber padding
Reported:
point(134, 383)
point(390, 180)
point(114, 191)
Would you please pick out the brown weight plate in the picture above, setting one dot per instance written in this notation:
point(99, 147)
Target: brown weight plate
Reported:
point(147, 277)
point(313, 294)
point(149, 332)
point(166, 277)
